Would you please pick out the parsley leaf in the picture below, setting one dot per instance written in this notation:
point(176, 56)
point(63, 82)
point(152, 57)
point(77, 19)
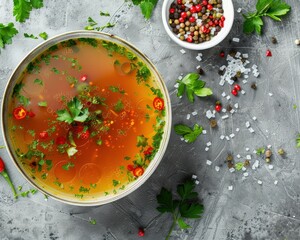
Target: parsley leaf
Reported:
point(75, 112)
point(260, 151)
point(44, 35)
point(68, 166)
point(26, 35)
point(186, 207)
point(189, 134)
point(298, 141)
point(193, 86)
point(238, 166)
point(22, 8)
point(274, 9)
point(6, 34)
point(147, 6)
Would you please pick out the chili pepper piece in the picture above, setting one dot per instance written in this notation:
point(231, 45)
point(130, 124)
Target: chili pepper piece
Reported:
point(138, 171)
point(158, 103)
point(19, 113)
point(5, 175)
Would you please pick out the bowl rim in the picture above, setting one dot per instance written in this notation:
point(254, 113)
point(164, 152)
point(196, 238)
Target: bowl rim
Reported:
point(39, 49)
point(228, 13)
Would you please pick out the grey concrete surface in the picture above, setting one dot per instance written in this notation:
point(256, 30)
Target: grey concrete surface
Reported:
point(250, 211)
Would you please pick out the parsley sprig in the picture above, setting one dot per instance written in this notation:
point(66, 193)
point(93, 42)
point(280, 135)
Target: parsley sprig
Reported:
point(185, 207)
point(192, 85)
point(274, 9)
point(6, 34)
point(189, 134)
point(22, 8)
point(147, 6)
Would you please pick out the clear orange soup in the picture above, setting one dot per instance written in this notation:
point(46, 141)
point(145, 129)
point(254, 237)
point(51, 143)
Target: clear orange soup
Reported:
point(86, 118)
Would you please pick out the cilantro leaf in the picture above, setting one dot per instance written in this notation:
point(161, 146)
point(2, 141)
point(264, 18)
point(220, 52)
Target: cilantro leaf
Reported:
point(22, 8)
point(6, 34)
point(190, 135)
point(75, 112)
point(193, 86)
point(274, 9)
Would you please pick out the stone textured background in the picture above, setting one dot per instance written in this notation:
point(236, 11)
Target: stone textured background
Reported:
point(250, 211)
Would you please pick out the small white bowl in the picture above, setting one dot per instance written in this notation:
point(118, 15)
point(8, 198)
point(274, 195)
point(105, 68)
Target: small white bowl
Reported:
point(229, 17)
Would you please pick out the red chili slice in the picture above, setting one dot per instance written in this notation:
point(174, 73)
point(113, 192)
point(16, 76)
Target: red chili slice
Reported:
point(43, 135)
point(138, 171)
point(60, 140)
point(19, 113)
point(130, 167)
point(31, 114)
point(148, 151)
point(158, 103)
point(85, 135)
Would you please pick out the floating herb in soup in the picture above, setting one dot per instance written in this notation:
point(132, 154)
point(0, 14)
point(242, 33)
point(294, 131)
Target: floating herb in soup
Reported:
point(86, 118)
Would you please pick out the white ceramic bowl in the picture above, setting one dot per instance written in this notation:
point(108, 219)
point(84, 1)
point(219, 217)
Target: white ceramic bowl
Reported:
point(228, 14)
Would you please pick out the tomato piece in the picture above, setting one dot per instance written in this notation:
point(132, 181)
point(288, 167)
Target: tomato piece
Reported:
point(130, 167)
point(19, 113)
point(85, 135)
point(158, 103)
point(60, 140)
point(138, 171)
point(148, 151)
point(31, 114)
point(43, 135)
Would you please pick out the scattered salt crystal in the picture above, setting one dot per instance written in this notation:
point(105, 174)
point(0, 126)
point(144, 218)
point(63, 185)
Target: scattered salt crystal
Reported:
point(197, 182)
point(237, 129)
point(248, 157)
point(204, 132)
point(275, 182)
point(230, 188)
point(271, 167)
point(225, 117)
point(254, 118)
point(238, 156)
point(224, 110)
point(176, 85)
point(209, 114)
point(232, 135)
point(244, 169)
point(269, 146)
point(270, 94)
point(243, 92)
point(180, 78)
point(222, 137)
point(198, 58)
point(255, 165)
point(246, 76)
point(245, 81)
point(222, 68)
point(232, 111)
point(228, 97)
point(182, 138)
point(259, 182)
point(246, 174)
point(254, 66)
point(194, 113)
point(223, 94)
point(222, 82)
point(217, 168)
point(206, 149)
point(236, 105)
point(239, 10)
point(198, 67)
point(247, 149)
point(247, 124)
point(182, 51)
point(238, 54)
point(251, 130)
point(208, 144)
point(230, 81)
point(231, 170)
point(188, 116)
point(186, 140)
point(245, 55)
point(194, 177)
point(180, 96)
point(254, 151)
point(200, 54)
point(227, 138)
point(208, 162)
point(236, 40)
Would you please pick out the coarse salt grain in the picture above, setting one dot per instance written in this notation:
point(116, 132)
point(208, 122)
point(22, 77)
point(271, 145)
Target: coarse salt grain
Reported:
point(248, 157)
point(204, 132)
point(194, 177)
point(238, 156)
point(188, 116)
point(237, 129)
point(182, 138)
point(198, 67)
point(224, 110)
point(197, 182)
point(230, 188)
point(247, 124)
point(182, 51)
point(275, 182)
point(271, 167)
point(247, 149)
point(270, 94)
point(251, 130)
point(239, 10)
point(232, 111)
point(222, 68)
point(198, 58)
point(243, 92)
point(245, 55)
point(236, 105)
point(225, 117)
point(228, 97)
point(194, 113)
point(254, 118)
point(259, 182)
point(222, 82)
point(176, 85)
point(231, 170)
point(208, 144)
point(217, 168)
point(244, 169)
point(269, 146)
point(245, 81)
point(222, 137)
point(232, 135)
point(236, 40)
point(208, 162)
point(206, 149)
point(223, 94)
point(180, 77)
point(227, 138)
point(246, 174)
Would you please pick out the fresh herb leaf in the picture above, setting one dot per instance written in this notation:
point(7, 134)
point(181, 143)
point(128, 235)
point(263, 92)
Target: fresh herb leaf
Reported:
point(68, 166)
point(43, 104)
point(119, 106)
point(38, 81)
point(26, 35)
point(142, 141)
point(274, 9)
point(189, 134)
point(238, 166)
point(105, 14)
point(22, 8)
point(298, 141)
point(93, 221)
point(44, 35)
point(115, 182)
point(260, 151)
point(6, 34)
point(146, 6)
point(192, 85)
point(185, 207)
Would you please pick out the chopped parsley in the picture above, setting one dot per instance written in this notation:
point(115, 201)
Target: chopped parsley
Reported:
point(43, 104)
point(260, 151)
point(119, 106)
point(84, 190)
point(115, 183)
point(44, 35)
point(26, 35)
point(105, 14)
point(142, 141)
point(238, 166)
point(39, 82)
point(68, 166)
point(6, 34)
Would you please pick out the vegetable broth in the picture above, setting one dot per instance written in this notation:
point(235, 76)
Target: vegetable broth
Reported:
point(94, 118)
